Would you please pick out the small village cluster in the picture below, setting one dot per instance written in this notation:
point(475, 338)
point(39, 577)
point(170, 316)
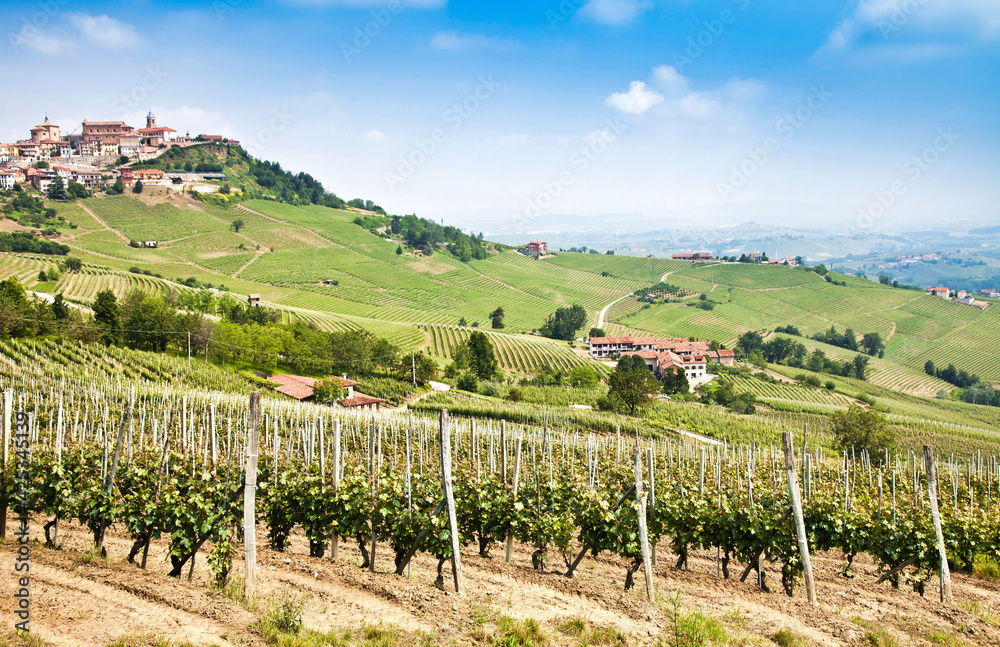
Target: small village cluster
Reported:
point(92, 155)
point(962, 296)
point(753, 257)
point(664, 355)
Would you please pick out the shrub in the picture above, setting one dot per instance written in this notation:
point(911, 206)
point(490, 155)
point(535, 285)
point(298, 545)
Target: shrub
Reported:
point(492, 389)
point(515, 394)
point(468, 382)
point(830, 386)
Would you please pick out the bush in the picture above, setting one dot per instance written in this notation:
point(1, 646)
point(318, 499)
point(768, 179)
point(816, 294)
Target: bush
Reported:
point(515, 394)
point(492, 389)
point(830, 386)
point(468, 382)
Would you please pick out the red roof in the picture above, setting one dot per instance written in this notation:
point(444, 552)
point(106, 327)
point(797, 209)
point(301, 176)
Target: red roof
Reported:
point(295, 386)
point(725, 353)
point(610, 340)
point(156, 130)
point(360, 400)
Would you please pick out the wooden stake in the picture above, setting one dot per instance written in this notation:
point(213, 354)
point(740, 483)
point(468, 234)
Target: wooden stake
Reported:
point(456, 557)
point(250, 495)
point(932, 493)
point(517, 477)
point(800, 526)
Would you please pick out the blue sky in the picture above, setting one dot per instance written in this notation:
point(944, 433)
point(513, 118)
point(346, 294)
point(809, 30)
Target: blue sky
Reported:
point(627, 115)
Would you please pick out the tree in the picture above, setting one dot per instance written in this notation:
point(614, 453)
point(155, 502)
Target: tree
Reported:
point(329, 390)
point(596, 332)
point(860, 365)
point(59, 308)
point(482, 359)
point(749, 341)
point(632, 383)
point(676, 381)
point(496, 317)
point(57, 189)
point(564, 323)
point(42, 276)
point(929, 368)
point(73, 264)
point(237, 225)
point(399, 250)
point(582, 376)
point(419, 366)
point(863, 429)
point(873, 345)
point(137, 188)
point(117, 188)
point(77, 191)
point(108, 316)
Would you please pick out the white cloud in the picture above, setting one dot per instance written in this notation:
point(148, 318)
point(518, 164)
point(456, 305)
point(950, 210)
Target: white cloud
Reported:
point(105, 32)
point(915, 29)
point(48, 45)
point(614, 12)
point(636, 101)
point(375, 136)
point(453, 41)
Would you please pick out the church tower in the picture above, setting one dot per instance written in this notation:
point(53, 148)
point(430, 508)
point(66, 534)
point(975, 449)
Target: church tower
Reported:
point(150, 120)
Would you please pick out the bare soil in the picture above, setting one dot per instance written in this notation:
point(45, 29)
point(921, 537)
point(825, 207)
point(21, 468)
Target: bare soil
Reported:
point(79, 599)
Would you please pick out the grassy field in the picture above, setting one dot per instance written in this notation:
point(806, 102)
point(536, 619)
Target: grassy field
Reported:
point(917, 327)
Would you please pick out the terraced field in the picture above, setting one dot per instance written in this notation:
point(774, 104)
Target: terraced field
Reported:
point(515, 353)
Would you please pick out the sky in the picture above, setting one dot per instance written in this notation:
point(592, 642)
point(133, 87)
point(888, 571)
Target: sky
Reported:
point(555, 115)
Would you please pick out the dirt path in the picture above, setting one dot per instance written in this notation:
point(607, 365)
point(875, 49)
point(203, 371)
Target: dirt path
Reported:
point(100, 221)
point(237, 273)
point(604, 312)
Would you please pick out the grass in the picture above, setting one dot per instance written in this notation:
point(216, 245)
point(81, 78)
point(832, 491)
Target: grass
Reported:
point(22, 639)
point(585, 635)
point(691, 628)
point(987, 567)
point(785, 637)
point(875, 635)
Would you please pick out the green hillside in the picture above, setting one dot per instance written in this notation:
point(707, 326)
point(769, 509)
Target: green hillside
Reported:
point(287, 254)
point(917, 327)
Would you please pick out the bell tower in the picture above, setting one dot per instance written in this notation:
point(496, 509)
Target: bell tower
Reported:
point(150, 120)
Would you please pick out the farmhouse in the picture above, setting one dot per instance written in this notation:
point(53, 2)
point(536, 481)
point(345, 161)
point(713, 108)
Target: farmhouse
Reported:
point(724, 357)
point(253, 300)
point(302, 389)
point(608, 346)
point(660, 363)
point(536, 248)
point(942, 293)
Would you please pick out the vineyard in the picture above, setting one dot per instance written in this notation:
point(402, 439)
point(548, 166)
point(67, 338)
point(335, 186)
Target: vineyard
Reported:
point(515, 353)
point(131, 453)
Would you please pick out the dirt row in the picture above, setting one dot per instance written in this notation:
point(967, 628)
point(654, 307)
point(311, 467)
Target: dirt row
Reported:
point(80, 599)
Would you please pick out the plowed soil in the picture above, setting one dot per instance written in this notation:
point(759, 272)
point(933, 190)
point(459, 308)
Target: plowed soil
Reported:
point(81, 600)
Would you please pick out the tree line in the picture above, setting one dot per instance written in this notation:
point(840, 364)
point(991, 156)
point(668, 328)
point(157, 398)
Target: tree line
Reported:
point(245, 336)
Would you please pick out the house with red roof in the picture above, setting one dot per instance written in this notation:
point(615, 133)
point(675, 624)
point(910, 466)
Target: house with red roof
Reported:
point(302, 389)
point(942, 293)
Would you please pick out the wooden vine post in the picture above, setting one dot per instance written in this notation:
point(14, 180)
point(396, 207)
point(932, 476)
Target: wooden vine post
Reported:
point(800, 526)
point(517, 478)
point(640, 498)
point(335, 540)
point(8, 408)
point(932, 493)
point(449, 496)
point(109, 484)
point(250, 495)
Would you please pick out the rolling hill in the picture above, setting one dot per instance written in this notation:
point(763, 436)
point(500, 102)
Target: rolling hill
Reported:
point(287, 253)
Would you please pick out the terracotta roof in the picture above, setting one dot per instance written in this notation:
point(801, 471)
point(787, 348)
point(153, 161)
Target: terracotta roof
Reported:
point(294, 386)
point(725, 353)
point(646, 354)
point(157, 129)
point(360, 400)
point(610, 340)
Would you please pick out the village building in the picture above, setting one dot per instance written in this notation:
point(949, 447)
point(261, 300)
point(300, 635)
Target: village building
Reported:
point(106, 131)
point(602, 347)
point(148, 174)
point(942, 293)
point(45, 131)
point(89, 179)
point(7, 179)
point(253, 300)
point(701, 256)
point(128, 145)
point(156, 135)
point(536, 248)
point(724, 357)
